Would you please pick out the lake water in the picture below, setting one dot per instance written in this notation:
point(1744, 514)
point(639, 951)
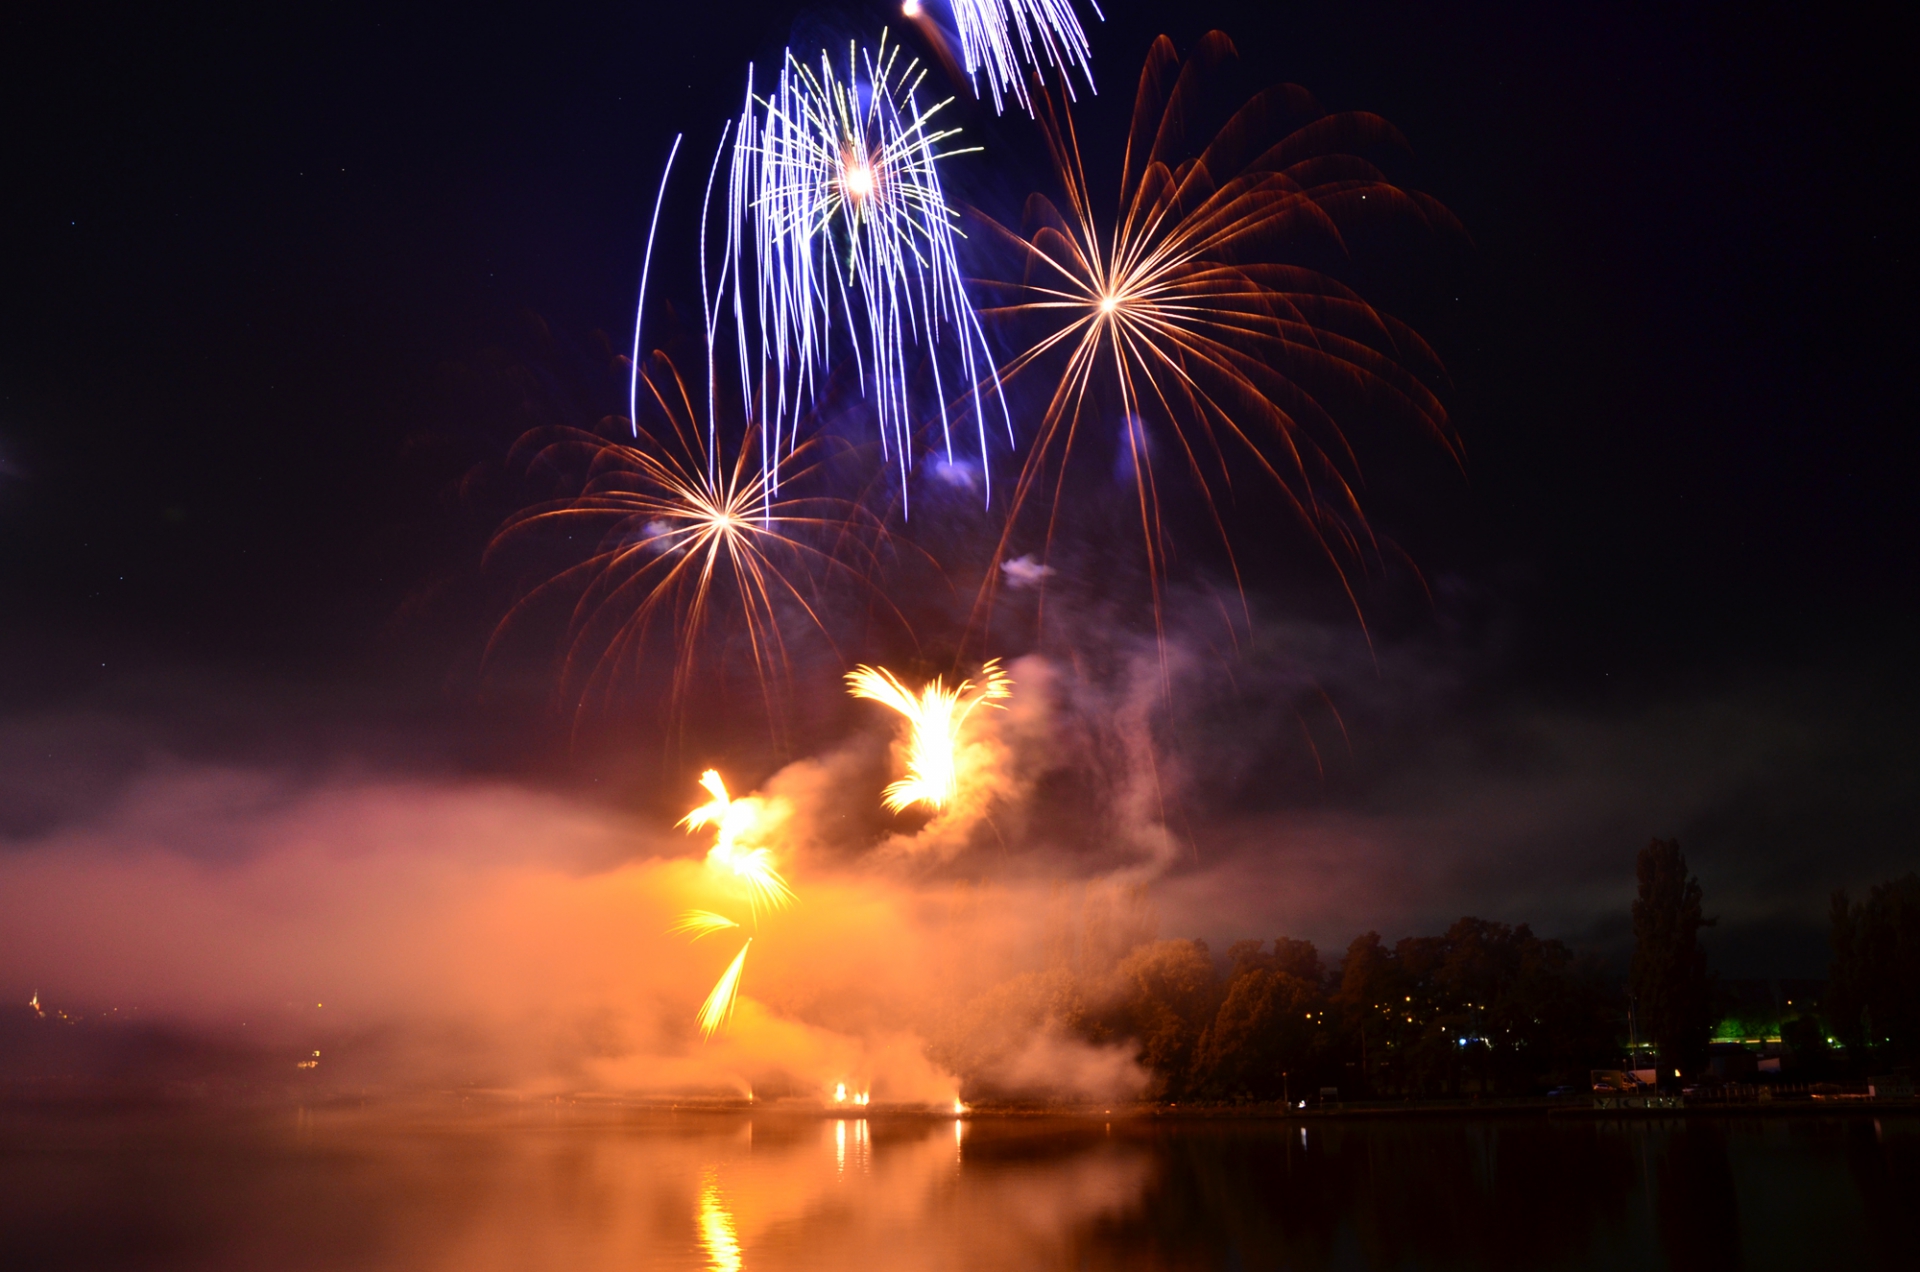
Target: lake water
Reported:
point(548, 1189)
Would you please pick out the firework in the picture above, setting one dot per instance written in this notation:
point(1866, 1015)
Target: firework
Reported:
point(997, 36)
point(934, 720)
point(836, 216)
point(699, 923)
point(1185, 311)
point(752, 868)
point(682, 536)
point(735, 820)
point(718, 1009)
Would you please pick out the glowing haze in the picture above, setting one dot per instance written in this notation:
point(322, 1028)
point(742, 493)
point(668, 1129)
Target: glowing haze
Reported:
point(485, 934)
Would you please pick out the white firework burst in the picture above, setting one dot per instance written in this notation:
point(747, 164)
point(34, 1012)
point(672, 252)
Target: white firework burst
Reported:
point(836, 216)
point(998, 36)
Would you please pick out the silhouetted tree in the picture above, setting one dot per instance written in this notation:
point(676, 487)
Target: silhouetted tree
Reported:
point(1268, 1027)
point(1369, 1009)
point(1299, 960)
point(1168, 994)
point(1873, 987)
point(1668, 977)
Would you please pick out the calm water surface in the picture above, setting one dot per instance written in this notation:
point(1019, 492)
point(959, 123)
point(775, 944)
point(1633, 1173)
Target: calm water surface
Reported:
point(766, 1193)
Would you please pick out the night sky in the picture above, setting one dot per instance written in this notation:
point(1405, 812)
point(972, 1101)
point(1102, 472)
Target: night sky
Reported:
point(283, 284)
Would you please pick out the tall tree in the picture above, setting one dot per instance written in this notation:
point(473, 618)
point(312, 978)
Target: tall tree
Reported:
point(1167, 995)
point(1270, 1026)
point(1668, 977)
point(1873, 987)
point(1369, 1002)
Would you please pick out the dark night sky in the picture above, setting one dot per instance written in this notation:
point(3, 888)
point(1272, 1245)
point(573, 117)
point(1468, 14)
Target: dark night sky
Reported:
point(263, 269)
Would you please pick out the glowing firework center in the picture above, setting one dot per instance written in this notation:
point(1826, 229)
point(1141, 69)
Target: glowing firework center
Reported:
point(857, 179)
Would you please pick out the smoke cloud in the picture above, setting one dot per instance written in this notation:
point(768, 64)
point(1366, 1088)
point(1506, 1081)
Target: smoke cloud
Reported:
point(445, 930)
point(481, 933)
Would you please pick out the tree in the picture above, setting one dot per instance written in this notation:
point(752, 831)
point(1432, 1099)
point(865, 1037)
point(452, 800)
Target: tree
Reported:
point(1369, 1003)
point(1270, 1024)
point(1873, 986)
point(1668, 977)
point(1167, 994)
point(1266, 1029)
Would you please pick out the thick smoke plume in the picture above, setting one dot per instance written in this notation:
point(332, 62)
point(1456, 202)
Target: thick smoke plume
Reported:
point(463, 932)
point(439, 933)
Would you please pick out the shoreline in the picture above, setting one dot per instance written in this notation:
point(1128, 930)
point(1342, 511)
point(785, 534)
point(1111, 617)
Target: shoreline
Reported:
point(588, 1108)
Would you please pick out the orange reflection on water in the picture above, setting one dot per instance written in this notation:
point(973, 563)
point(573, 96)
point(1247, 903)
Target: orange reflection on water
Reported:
point(716, 1228)
point(539, 1188)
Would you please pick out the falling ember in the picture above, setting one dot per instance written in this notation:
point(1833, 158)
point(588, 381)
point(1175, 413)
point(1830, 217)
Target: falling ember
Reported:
point(718, 1009)
point(753, 867)
point(699, 923)
point(934, 720)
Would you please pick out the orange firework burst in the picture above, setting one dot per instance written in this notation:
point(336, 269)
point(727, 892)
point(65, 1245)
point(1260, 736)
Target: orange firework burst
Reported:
point(751, 866)
point(746, 865)
point(1184, 313)
point(934, 720)
point(683, 535)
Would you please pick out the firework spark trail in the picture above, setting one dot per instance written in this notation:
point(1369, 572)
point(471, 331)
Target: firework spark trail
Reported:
point(682, 536)
point(752, 867)
point(934, 720)
point(990, 30)
point(718, 1009)
point(836, 215)
point(640, 302)
point(1201, 330)
point(699, 923)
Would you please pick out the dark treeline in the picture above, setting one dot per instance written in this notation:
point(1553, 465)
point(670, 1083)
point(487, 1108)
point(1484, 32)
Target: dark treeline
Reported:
point(1483, 1008)
point(1872, 1004)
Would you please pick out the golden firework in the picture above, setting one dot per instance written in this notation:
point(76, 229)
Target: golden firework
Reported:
point(680, 535)
point(699, 923)
point(737, 819)
point(1187, 310)
point(934, 719)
